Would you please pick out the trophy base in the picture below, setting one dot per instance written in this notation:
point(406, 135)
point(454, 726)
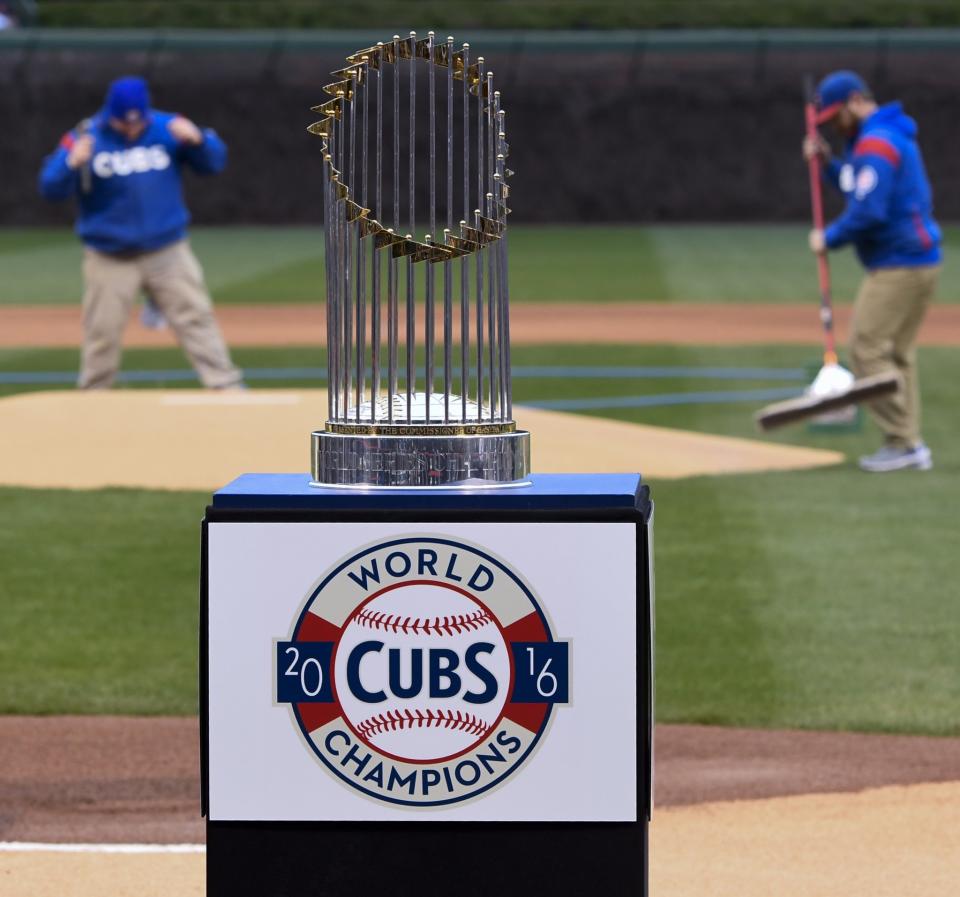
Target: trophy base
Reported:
point(412, 461)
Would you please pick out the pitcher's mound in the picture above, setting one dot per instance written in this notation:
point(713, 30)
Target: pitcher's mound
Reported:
point(194, 439)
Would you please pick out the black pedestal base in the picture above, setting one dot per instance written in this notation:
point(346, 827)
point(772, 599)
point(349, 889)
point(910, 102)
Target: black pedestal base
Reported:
point(426, 859)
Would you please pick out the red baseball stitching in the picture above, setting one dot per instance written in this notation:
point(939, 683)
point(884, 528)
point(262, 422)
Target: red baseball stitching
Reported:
point(394, 720)
point(428, 626)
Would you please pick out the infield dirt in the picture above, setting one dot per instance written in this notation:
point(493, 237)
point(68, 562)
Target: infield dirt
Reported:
point(211, 437)
point(745, 812)
point(733, 815)
point(530, 324)
point(134, 779)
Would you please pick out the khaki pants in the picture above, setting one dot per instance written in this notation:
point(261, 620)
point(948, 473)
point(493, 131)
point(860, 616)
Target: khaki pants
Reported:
point(173, 277)
point(887, 314)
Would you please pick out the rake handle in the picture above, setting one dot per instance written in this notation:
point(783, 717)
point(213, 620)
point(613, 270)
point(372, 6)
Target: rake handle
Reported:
point(823, 266)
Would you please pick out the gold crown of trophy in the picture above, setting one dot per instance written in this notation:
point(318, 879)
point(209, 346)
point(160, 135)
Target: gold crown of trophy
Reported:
point(418, 395)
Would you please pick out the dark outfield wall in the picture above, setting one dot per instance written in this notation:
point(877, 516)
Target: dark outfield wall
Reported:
point(607, 135)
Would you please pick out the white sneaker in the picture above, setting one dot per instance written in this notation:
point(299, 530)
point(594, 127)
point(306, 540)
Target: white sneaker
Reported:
point(891, 458)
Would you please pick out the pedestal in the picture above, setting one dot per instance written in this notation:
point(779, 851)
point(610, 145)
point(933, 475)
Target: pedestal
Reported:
point(427, 692)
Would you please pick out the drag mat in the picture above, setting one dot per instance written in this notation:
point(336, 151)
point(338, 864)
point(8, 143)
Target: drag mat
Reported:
point(533, 323)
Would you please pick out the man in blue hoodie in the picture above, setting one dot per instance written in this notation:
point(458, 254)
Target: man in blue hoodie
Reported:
point(123, 168)
point(889, 220)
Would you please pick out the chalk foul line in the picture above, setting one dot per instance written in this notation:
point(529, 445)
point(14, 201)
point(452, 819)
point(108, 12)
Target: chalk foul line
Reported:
point(39, 847)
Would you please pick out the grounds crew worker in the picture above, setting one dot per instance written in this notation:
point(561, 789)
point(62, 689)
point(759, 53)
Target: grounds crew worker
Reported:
point(123, 166)
point(889, 221)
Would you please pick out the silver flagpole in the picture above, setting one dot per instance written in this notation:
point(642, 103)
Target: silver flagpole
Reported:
point(448, 265)
point(343, 266)
point(334, 341)
point(481, 84)
point(374, 251)
point(428, 268)
point(491, 279)
point(411, 310)
point(464, 267)
point(504, 279)
point(393, 286)
point(328, 211)
point(331, 209)
point(350, 273)
point(500, 216)
point(362, 246)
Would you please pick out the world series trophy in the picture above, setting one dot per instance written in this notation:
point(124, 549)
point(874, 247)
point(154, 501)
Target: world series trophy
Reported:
point(423, 668)
point(451, 424)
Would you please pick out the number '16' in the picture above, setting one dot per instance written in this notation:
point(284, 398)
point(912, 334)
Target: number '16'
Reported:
point(545, 678)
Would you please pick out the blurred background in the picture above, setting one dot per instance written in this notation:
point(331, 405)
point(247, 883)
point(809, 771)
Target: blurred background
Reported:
point(620, 112)
point(657, 150)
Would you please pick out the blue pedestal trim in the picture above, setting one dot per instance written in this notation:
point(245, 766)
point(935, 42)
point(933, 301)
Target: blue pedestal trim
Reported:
point(553, 491)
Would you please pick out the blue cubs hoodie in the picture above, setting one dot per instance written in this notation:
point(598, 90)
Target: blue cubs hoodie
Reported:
point(889, 213)
point(132, 200)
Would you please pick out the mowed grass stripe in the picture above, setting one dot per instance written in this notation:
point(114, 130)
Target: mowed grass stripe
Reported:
point(769, 613)
point(841, 583)
point(13, 240)
point(822, 599)
point(742, 263)
point(576, 263)
point(99, 598)
point(937, 366)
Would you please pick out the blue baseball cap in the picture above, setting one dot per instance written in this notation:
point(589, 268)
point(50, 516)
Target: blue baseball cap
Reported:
point(128, 99)
point(835, 90)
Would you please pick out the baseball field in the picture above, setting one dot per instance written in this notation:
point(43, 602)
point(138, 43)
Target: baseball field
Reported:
point(808, 634)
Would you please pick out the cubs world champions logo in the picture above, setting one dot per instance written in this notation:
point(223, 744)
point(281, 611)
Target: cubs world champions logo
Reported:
point(422, 671)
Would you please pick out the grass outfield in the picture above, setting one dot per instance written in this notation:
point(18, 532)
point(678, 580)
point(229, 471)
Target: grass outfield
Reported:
point(692, 263)
point(822, 599)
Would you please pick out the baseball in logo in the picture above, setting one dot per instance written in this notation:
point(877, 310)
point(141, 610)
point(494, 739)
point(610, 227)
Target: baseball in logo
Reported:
point(422, 671)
